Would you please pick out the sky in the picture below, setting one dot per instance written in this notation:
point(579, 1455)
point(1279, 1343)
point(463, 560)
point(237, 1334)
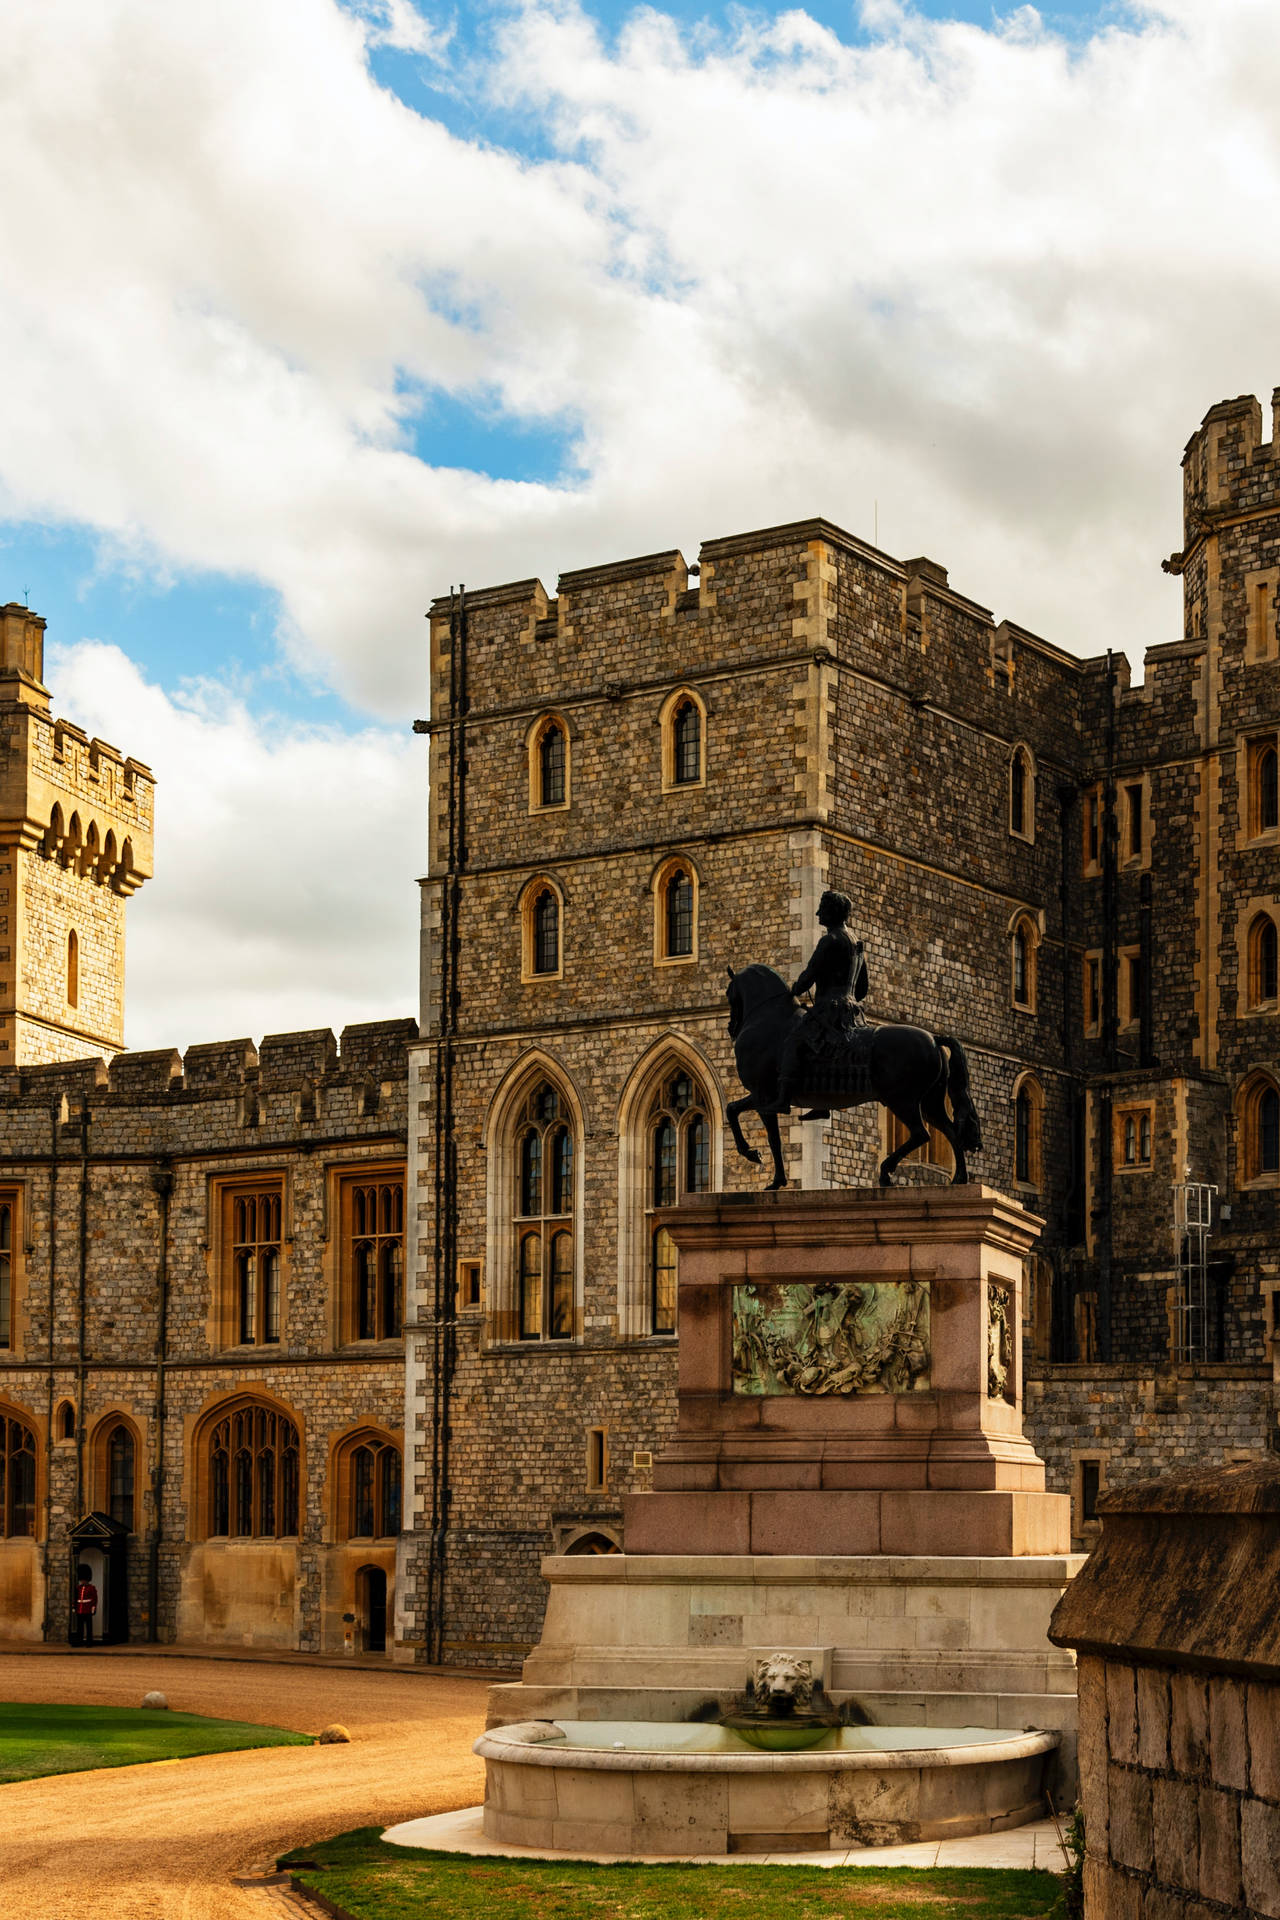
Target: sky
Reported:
point(312, 310)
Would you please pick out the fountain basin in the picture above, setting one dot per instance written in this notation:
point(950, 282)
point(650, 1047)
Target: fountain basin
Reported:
point(645, 1787)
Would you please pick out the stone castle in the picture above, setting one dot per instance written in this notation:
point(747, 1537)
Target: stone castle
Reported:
point(216, 1266)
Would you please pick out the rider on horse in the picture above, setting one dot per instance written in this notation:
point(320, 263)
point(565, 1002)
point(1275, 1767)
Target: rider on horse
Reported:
point(838, 975)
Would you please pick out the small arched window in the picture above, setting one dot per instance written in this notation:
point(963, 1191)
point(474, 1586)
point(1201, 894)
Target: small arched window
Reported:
point(1022, 797)
point(17, 1479)
point(676, 904)
point(679, 1162)
point(65, 1421)
point(551, 766)
point(1264, 956)
point(541, 935)
point(119, 1461)
point(686, 744)
point(548, 748)
point(1028, 1110)
point(684, 740)
point(253, 1472)
point(544, 1221)
point(73, 969)
point(1268, 789)
point(1023, 965)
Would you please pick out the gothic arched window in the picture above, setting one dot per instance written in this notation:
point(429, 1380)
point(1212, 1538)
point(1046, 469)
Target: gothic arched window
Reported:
point(120, 1465)
point(678, 1133)
point(1022, 794)
point(253, 1473)
point(1022, 957)
point(255, 1264)
point(369, 1479)
point(17, 1478)
point(544, 1218)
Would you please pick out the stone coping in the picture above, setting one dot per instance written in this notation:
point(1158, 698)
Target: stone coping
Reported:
point(1039, 1844)
point(780, 1569)
point(535, 1743)
point(853, 1216)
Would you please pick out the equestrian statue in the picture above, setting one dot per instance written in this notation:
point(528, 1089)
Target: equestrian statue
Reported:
point(829, 1055)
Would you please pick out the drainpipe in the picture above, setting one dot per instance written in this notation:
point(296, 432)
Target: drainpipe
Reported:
point(1110, 1017)
point(81, 1298)
point(55, 1121)
point(162, 1181)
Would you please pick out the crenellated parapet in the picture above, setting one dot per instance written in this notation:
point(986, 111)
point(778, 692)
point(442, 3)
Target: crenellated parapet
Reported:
point(76, 840)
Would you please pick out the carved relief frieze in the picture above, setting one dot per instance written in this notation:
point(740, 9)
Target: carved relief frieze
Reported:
point(845, 1337)
point(999, 1342)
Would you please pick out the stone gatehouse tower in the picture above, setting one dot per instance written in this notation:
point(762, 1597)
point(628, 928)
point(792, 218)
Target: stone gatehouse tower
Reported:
point(651, 776)
point(75, 842)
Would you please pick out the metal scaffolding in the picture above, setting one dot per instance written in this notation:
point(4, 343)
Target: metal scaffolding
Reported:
point(1192, 1224)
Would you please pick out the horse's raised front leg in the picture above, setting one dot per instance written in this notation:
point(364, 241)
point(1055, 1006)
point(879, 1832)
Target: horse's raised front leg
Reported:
point(770, 1118)
point(917, 1136)
point(732, 1111)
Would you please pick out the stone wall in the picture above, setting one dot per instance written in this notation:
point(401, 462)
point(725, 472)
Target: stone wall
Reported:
point(1174, 1621)
point(84, 1153)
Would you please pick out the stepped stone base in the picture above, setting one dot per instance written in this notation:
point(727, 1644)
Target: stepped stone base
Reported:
point(939, 1640)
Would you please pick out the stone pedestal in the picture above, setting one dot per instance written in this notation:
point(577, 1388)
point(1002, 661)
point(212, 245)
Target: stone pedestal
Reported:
point(848, 1480)
point(850, 1380)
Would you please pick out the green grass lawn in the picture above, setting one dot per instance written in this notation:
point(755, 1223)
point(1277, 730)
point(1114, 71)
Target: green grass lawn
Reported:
point(36, 1739)
point(369, 1880)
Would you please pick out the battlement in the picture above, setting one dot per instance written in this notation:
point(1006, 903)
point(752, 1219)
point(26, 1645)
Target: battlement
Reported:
point(369, 1056)
point(1228, 467)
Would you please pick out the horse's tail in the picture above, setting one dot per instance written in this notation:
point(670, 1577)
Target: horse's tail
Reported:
point(963, 1111)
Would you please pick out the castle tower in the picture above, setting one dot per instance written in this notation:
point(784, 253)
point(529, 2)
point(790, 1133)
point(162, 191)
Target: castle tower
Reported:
point(75, 842)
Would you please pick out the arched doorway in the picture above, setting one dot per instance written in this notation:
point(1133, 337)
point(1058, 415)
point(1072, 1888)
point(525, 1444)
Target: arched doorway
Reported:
point(371, 1608)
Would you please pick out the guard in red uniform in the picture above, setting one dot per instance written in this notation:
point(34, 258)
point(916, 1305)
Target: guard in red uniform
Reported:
point(86, 1606)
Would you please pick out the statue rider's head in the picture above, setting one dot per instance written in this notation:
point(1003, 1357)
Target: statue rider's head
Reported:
point(834, 909)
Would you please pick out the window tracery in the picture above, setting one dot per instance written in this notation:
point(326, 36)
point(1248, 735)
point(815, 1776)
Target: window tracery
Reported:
point(544, 1223)
point(678, 1135)
point(17, 1478)
point(253, 1460)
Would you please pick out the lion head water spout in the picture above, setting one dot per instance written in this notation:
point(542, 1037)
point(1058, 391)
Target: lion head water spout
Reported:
point(783, 1708)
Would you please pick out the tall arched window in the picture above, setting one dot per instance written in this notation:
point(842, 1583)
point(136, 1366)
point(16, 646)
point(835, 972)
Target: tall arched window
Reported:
point(253, 1473)
point(541, 931)
point(17, 1478)
point(119, 1460)
point(676, 912)
point(684, 740)
point(1022, 794)
point(548, 747)
point(679, 1162)
point(1264, 952)
point(73, 969)
point(377, 1257)
point(544, 1231)
point(369, 1477)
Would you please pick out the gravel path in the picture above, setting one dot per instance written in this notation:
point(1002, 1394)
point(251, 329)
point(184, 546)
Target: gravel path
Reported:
point(166, 1841)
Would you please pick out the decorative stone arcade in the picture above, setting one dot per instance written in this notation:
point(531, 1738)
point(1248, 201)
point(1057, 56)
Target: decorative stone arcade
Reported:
point(848, 1481)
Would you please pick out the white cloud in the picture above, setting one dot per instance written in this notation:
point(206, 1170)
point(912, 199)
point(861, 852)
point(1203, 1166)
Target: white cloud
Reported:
point(284, 893)
point(978, 282)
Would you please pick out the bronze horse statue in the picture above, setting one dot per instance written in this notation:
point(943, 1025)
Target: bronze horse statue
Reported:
point(910, 1071)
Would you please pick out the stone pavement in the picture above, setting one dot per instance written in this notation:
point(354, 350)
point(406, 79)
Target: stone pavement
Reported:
point(1036, 1845)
